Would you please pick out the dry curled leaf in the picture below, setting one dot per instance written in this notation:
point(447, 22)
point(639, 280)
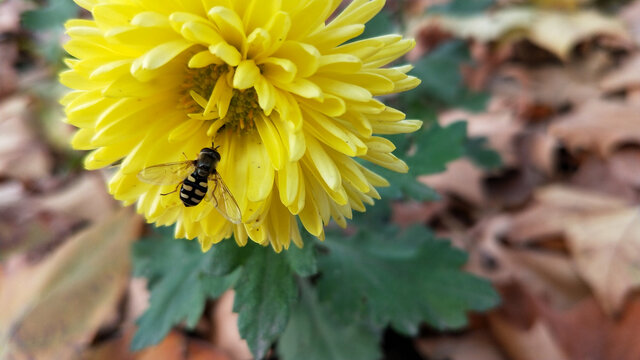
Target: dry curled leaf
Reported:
point(599, 126)
point(51, 310)
point(476, 345)
point(556, 31)
point(462, 178)
point(606, 249)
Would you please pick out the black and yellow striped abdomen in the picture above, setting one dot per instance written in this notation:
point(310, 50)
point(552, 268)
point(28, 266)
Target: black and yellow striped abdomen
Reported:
point(193, 189)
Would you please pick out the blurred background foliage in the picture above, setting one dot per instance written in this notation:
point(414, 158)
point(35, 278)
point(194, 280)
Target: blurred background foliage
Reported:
point(523, 179)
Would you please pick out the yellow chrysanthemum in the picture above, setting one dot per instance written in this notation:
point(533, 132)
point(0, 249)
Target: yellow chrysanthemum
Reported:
point(288, 101)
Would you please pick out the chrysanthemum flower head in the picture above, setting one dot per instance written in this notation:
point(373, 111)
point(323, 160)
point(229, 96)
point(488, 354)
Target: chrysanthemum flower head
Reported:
point(283, 92)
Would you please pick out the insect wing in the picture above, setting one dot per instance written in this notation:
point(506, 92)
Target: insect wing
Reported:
point(167, 174)
point(223, 200)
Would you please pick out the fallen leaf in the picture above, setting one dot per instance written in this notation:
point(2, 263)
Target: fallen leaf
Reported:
point(523, 338)
point(552, 86)
point(172, 347)
point(599, 126)
point(499, 127)
point(52, 310)
point(625, 166)
point(556, 31)
point(542, 152)
point(200, 350)
point(596, 174)
point(113, 348)
point(553, 207)
point(630, 14)
point(226, 335)
point(22, 156)
point(623, 77)
point(584, 331)
point(622, 340)
point(73, 199)
point(462, 178)
point(606, 249)
point(8, 57)
point(10, 11)
point(477, 345)
point(559, 32)
point(549, 275)
point(407, 213)
point(137, 299)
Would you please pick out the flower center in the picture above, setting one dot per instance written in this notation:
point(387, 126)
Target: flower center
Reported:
point(242, 110)
point(243, 106)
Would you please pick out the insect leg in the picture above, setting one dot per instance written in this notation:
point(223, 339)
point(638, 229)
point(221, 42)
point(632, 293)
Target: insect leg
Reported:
point(213, 192)
point(176, 189)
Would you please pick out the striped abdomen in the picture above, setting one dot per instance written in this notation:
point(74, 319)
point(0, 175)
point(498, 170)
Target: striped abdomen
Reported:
point(193, 189)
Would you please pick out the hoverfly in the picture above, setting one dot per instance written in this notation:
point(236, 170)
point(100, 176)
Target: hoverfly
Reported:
point(194, 178)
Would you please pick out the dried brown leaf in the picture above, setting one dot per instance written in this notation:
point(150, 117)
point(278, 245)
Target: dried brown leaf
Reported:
point(623, 77)
point(599, 126)
point(606, 249)
point(21, 154)
point(84, 199)
point(625, 166)
point(553, 207)
point(51, 310)
point(226, 335)
point(556, 31)
point(477, 345)
point(462, 178)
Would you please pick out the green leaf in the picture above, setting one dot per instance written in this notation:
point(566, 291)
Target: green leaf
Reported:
point(303, 261)
point(381, 24)
point(227, 256)
point(405, 185)
point(461, 7)
point(478, 151)
point(265, 293)
point(313, 334)
point(442, 80)
point(180, 283)
point(436, 146)
point(54, 14)
point(400, 280)
point(377, 216)
point(426, 152)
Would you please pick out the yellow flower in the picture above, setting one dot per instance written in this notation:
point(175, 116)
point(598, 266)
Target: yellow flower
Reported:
point(288, 100)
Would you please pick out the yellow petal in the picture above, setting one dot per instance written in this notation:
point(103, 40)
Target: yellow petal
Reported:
point(259, 170)
point(258, 42)
point(230, 27)
point(339, 63)
point(310, 218)
point(283, 70)
point(321, 161)
point(204, 58)
point(342, 89)
point(329, 132)
point(357, 12)
point(387, 160)
point(162, 54)
point(289, 182)
point(398, 127)
point(266, 95)
point(271, 140)
point(304, 56)
point(227, 53)
point(259, 12)
point(247, 74)
point(201, 33)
